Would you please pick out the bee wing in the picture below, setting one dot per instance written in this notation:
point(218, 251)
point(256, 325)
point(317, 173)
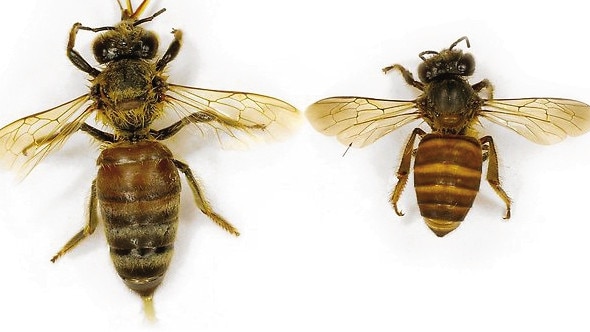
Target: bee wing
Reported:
point(542, 120)
point(229, 113)
point(25, 142)
point(360, 121)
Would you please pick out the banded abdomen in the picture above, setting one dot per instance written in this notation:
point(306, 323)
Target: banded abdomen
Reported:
point(138, 190)
point(447, 174)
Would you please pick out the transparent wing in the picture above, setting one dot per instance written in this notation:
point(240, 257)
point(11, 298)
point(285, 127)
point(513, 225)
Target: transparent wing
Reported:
point(360, 121)
point(542, 120)
point(25, 142)
point(229, 113)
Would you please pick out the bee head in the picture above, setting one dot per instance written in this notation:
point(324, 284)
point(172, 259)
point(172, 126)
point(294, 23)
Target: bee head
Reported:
point(446, 62)
point(127, 40)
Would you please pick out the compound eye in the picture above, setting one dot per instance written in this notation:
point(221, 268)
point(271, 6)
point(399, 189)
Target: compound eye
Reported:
point(149, 46)
point(466, 65)
point(425, 72)
point(105, 50)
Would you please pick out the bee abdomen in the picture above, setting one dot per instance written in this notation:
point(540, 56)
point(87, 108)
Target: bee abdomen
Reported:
point(447, 174)
point(138, 189)
point(142, 269)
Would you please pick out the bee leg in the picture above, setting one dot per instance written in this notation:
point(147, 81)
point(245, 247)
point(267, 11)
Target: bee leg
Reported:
point(75, 57)
point(171, 130)
point(407, 75)
point(198, 117)
point(88, 228)
point(484, 84)
point(200, 200)
point(404, 169)
point(96, 133)
point(172, 50)
point(492, 176)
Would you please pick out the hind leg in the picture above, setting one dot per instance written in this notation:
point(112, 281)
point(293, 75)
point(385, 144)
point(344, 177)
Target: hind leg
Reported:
point(88, 228)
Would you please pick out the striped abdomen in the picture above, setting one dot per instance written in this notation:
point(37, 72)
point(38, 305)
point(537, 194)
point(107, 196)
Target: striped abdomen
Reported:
point(447, 174)
point(138, 189)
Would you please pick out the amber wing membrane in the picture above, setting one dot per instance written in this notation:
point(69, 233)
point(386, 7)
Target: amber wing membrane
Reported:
point(541, 120)
point(25, 142)
point(229, 113)
point(359, 121)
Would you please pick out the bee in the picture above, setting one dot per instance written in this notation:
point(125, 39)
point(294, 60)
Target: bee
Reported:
point(136, 192)
point(448, 160)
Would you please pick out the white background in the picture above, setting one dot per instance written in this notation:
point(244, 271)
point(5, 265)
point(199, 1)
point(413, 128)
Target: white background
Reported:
point(321, 248)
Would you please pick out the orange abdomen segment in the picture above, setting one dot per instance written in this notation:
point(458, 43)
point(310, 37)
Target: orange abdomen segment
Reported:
point(447, 174)
point(138, 190)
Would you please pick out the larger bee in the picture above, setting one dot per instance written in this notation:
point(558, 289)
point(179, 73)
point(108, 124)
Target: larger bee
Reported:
point(137, 190)
point(448, 161)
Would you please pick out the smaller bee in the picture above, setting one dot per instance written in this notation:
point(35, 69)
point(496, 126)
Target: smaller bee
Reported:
point(136, 192)
point(448, 161)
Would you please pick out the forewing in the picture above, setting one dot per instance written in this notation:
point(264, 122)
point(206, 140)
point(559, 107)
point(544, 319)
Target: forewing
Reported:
point(25, 142)
point(358, 121)
point(231, 113)
point(542, 120)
